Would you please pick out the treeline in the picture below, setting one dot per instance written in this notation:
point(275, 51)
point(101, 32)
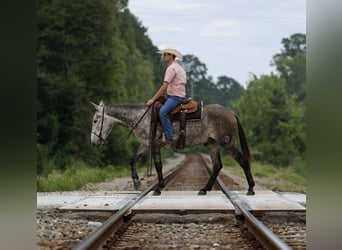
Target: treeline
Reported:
point(87, 50)
point(92, 50)
point(273, 107)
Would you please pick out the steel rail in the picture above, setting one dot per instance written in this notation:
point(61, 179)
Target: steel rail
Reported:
point(96, 239)
point(263, 234)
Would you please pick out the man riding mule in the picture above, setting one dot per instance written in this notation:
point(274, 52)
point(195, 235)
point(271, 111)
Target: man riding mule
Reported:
point(218, 128)
point(174, 84)
point(188, 110)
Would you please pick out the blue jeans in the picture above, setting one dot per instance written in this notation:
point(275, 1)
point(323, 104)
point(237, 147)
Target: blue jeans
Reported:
point(170, 104)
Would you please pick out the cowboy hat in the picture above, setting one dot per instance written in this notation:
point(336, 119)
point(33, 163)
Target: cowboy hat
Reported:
point(172, 51)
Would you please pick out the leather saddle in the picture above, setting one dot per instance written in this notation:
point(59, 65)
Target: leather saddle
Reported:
point(188, 106)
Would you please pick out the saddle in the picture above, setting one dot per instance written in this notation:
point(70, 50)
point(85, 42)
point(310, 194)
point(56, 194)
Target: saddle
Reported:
point(187, 110)
point(188, 105)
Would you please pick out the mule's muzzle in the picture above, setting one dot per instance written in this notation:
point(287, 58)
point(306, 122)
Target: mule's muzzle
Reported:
point(96, 141)
point(95, 144)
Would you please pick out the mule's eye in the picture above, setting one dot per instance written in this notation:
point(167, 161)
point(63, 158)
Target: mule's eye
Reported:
point(95, 121)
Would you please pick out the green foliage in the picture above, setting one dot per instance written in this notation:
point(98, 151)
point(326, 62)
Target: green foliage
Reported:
point(77, 176)
point(228, 161)
point(87, 50)
point(92, 50)
point(270, 176)
point(197, 82)
point(228, 90)
point(291, 64)
point(274, 122)
point(272, 108)
point(299, 166)
point(278, 178)
point(200, 86)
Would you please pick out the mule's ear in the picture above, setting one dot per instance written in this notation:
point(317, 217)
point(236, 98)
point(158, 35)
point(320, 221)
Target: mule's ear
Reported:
point(95, 106)
point(101, 103)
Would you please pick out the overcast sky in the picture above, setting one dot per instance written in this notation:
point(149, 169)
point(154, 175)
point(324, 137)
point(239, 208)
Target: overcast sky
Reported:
point(231, 37)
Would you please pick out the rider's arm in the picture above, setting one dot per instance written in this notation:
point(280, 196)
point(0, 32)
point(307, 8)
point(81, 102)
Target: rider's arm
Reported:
point(159, 93)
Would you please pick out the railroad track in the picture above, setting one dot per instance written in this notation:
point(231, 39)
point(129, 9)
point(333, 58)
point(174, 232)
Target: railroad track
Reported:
point(182, 230)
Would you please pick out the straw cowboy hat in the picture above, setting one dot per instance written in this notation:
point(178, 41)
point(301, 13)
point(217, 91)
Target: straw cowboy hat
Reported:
point(172, 51)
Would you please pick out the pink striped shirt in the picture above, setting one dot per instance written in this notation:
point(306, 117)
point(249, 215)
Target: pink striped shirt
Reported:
point(176, 77)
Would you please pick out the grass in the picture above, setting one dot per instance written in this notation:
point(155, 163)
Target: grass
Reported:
point(290, 178)
point(79, 174)
point(76, 177)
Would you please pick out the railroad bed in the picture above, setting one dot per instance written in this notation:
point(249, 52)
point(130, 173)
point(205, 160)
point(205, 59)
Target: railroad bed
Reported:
point(192, 231)
point(179, 218)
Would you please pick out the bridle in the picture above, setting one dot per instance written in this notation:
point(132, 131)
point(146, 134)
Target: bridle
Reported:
point(100, 134)
point(125, 138)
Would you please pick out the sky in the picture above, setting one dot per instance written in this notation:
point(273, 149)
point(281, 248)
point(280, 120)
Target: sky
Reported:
point(234, 38)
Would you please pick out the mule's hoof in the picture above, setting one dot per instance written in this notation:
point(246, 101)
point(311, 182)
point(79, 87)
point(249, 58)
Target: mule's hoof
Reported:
point(250, 192)
point(202, 192)
point(137, 184)
point(156, 192)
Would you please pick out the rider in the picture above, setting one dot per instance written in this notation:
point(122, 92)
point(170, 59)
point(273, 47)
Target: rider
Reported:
point(174, 85)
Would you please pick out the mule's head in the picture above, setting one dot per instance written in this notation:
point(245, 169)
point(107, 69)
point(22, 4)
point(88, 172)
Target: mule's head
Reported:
point(101, 126)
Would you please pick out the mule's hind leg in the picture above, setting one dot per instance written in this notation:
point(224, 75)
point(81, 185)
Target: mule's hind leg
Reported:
point(141, 151)
point(236, 154)
point(159, 167)
point(214, 150)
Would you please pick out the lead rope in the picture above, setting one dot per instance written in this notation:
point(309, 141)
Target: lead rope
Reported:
point(149, 162)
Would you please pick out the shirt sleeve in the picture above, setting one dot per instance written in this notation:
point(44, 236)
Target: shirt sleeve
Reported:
point(169, 74)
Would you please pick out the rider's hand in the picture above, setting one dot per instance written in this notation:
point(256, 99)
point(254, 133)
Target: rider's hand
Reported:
point(150, 102)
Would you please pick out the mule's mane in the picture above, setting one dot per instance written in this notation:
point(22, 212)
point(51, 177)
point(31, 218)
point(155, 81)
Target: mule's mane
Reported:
point(127, 105)
point(128, 113)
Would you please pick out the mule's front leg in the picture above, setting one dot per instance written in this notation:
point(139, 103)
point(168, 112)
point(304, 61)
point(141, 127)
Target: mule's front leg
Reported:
point(159, 167)
point(209, 186)
point(137, 155)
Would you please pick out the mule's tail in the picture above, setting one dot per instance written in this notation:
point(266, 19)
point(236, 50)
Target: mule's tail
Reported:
point(243, 142)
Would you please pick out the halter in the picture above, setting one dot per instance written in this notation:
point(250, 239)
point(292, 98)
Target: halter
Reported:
point(102, 118)
point(125, 138)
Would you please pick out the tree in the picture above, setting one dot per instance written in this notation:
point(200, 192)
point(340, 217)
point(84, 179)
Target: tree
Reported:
point(87, 50)
point(291, 64)
point(202, 87)
point(196, 72)
point(274, 121)
point(228, 90)
point(74, 58)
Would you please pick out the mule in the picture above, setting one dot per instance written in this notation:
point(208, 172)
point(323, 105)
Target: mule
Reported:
point(218, 128)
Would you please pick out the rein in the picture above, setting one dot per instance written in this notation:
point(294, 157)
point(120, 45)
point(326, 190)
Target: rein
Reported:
point(125, 138)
